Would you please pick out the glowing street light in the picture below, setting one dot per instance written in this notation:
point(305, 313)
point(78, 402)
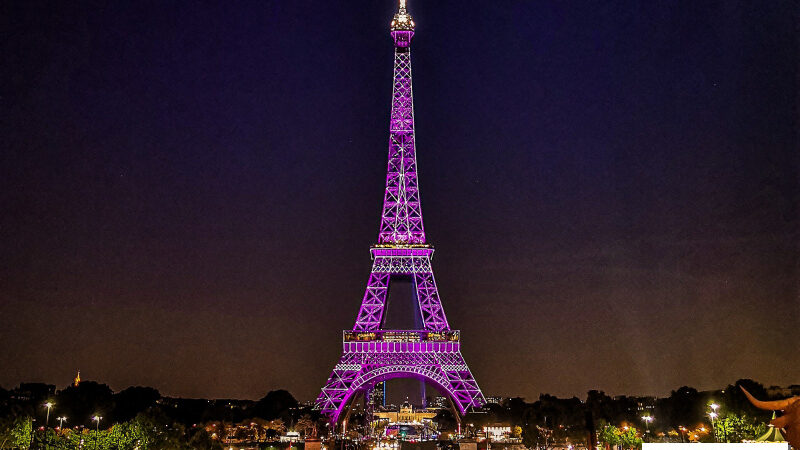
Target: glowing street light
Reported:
point(713, 415)
point(48, 405)
point(61, 421)
point(647, 420)
point(97, 419)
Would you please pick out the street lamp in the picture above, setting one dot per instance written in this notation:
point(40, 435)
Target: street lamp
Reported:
point(48, 405)
point(97, 430)
point(713, 416)
point(647, 420)
point(61, 421)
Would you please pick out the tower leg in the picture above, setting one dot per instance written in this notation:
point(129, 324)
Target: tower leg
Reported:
point(370, 315)
point(430, 306)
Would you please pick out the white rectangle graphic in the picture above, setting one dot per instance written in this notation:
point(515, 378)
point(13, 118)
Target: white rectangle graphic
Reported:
point(717, 446)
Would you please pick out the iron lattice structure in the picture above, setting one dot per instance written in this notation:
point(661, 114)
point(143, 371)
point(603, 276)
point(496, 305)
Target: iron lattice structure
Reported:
point(370, 353)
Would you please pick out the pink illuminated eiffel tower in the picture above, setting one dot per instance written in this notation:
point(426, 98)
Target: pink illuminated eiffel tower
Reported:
point(370, 353)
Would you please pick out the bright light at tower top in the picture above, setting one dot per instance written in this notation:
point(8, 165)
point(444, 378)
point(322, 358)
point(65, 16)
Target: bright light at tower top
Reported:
point(402, 20)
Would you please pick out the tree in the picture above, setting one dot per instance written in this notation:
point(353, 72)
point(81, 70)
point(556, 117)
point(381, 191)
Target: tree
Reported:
point(629, 438)
point(601, 406)
point(81, 402)
point(684, 406)
point(304, 425)
point(734, 401)
point(446, 421)
point(132, 401)
point(275, 427)
point(201, 439)
point(275, 404)
point(609, 435)
point(16, 433)
point(736, 428)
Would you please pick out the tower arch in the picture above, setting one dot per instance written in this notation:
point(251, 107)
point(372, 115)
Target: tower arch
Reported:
point(385, 373)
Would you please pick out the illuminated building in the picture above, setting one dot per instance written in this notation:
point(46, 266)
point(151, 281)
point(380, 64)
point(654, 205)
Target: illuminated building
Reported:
point(406, 414)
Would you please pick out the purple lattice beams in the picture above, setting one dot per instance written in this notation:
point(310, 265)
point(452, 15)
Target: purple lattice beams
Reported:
point(401, 220)
point(371, 354)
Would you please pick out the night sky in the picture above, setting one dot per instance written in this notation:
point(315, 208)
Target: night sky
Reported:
point(189, 190)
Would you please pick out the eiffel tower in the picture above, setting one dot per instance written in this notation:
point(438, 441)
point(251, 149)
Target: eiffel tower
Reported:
point(372, 354)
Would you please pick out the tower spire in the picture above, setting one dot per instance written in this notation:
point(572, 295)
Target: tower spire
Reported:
point(402, 26)
point(401, 218)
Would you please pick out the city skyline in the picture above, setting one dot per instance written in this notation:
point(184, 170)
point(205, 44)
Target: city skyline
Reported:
point(192, 191)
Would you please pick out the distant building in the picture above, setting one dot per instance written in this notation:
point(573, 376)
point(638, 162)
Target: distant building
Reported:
point(33, 391)
point(645, 404)
point(497, 432)
point(778, 392)
point(497, 400)
point(406, 414)
point(637, 405)
point(377, 395)
point(439, 403)
point(77, 380)
point(291, 436)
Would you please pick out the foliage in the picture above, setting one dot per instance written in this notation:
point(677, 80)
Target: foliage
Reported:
point(275, 427)
point(734, 401)
point(20, 433)
point(736, 428)
point(304, 425)
point(201, 439)
point(609, 435)
point(627, 437)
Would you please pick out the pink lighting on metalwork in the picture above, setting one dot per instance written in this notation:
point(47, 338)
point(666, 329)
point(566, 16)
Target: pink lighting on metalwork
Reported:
point(371, 354)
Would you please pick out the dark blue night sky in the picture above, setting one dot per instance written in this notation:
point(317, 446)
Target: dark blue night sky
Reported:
point(189, 190)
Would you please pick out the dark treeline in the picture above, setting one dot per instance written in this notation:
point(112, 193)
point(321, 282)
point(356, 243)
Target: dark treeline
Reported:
point(80, 403)
point(138, 417)
point(548, 419)
point(571, 419)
